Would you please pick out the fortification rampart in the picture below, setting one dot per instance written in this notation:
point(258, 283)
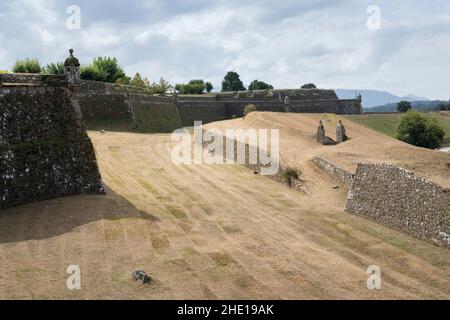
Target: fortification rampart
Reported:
point(32, 79)
point(112, 106)
point(400, 200)
point(338, 174)
point(135, 109)
point(44, 148)
point(395, 198)
point(227, 105)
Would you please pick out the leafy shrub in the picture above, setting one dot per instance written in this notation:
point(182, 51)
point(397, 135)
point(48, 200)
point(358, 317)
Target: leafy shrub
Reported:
point(404, 106)
point(309, 86)
point(194, 87)
point(54, 68)
point(109, 67)
point(443, 107)
point(126, 81)
point(290, 175)
point(105, 69)
point(89, 72)
point(249, 108)
point(232, 82)
point(27, 66)
point(160, 87)
point(420, 131)
point(259, 85)
point(209, 87)
point(139, 81)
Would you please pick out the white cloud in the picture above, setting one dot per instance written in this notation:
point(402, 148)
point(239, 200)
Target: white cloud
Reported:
point(286, 44)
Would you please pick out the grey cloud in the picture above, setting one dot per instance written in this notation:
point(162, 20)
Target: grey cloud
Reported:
point(284, 42)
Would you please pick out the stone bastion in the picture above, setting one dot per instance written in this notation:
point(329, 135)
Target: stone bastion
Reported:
point(45, 151)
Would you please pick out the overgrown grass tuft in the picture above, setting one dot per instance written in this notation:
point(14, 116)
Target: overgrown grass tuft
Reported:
point(290, 175)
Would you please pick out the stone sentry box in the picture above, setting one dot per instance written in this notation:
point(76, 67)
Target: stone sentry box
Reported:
point(45, 151)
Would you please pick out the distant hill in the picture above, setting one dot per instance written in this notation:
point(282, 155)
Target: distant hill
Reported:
point(372, 98)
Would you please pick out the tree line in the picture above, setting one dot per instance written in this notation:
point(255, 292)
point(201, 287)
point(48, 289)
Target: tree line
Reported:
point(108, 69)
point(405, 106)
point(414, 128)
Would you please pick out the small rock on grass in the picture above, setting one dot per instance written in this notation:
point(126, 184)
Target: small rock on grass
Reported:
point(141, 276)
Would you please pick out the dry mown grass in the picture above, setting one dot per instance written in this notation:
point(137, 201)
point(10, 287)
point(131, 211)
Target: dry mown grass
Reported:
point(207, 232)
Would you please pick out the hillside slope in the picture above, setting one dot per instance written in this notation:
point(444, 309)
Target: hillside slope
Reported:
point(298, 144)
point(212, 231)
point(388, 123)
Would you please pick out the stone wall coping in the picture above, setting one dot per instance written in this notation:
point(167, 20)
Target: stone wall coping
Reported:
point(410, 173)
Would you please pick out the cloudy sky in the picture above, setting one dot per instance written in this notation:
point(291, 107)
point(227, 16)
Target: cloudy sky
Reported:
point(286, 43)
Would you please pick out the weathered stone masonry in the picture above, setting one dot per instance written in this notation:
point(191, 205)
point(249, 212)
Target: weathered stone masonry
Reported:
point(400, 200)
point(338, 174)
point(103, 104)
point(396, 198)
point(223, 106)
point(44, 148)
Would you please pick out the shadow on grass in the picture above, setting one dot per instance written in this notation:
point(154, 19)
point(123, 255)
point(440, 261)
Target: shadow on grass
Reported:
point(51, 218)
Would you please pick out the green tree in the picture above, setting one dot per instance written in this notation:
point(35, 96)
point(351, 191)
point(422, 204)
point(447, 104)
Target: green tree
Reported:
point(232, 82)
point(443, 107)
point(140, 82)
point(161, 87)
point(27, 66)
point(435, 134)
point(197, 86)
point(125, 81)
point(209, 87)
point(404, 106)
point(109, 67)
point(105, 69)
point(89, 72)
point(259, 85)
point(309, 86)
point(4, 71)
point(418, 130)
point(54, 68)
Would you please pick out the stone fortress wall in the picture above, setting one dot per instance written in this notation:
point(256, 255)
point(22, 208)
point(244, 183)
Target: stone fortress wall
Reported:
point(45, 151)
point(221, 106)
point(131, 108)
point(135, 109)
point(396, 198)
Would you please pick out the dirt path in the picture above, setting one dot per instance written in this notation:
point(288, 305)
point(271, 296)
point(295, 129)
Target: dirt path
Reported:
point(206, 232)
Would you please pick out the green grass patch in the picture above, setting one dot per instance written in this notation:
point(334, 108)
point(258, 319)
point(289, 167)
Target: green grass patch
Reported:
point(222, 259)
point(188, 252)
point(177, 213)
point(144, 184)
point(388, 123)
